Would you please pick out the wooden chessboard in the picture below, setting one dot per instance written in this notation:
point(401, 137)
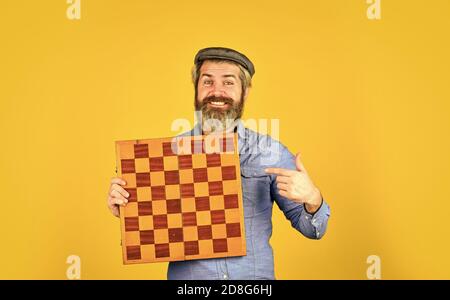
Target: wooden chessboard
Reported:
point(185, 198)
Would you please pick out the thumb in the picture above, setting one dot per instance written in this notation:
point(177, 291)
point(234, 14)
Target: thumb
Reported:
point(298, 163)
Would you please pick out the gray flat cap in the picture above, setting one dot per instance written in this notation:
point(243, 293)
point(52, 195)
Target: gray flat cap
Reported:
point(227, 54)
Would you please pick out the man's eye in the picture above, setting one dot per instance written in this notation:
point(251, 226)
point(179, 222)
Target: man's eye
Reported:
point(229, 82)
point(207, 82)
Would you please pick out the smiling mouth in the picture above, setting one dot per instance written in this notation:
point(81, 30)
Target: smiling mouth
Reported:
point(218, 104)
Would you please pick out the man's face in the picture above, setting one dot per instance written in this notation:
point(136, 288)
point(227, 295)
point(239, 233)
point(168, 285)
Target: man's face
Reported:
point(219, 93)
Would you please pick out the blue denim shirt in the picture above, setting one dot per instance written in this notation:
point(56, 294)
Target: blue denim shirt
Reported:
point(256, 152)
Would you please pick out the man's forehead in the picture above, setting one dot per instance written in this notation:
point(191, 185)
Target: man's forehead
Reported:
point(214, 68)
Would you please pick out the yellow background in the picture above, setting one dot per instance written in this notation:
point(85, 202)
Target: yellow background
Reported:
point(366, 102)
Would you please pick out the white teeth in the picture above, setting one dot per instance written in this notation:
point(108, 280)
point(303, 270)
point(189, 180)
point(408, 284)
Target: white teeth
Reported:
point(217, 103)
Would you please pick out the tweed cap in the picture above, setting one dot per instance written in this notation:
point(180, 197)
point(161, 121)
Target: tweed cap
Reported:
point(227, 54)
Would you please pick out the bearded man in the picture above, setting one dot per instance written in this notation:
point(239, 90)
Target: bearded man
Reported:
point(270, 173)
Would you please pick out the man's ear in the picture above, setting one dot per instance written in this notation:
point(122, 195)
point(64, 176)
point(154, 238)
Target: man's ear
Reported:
point(246, 92)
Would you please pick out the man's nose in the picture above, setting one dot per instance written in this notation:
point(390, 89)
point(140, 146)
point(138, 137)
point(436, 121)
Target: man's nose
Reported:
point(217, 91)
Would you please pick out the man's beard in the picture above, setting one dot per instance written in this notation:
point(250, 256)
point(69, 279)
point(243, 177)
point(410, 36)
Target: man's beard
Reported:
point(216, 119)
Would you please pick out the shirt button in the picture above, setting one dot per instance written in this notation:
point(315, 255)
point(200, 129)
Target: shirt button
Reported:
point(225, 276)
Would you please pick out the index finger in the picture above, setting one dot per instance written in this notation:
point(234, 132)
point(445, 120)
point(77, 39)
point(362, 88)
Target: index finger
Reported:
point(278, 171)
point(118, 180)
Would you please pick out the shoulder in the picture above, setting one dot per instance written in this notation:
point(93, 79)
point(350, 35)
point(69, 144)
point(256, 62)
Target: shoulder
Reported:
point(266, 150)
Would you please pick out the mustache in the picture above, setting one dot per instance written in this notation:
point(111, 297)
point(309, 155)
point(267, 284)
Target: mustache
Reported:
point(210, 99)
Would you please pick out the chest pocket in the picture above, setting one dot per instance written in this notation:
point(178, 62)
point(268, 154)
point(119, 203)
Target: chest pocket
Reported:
point(255, 190)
